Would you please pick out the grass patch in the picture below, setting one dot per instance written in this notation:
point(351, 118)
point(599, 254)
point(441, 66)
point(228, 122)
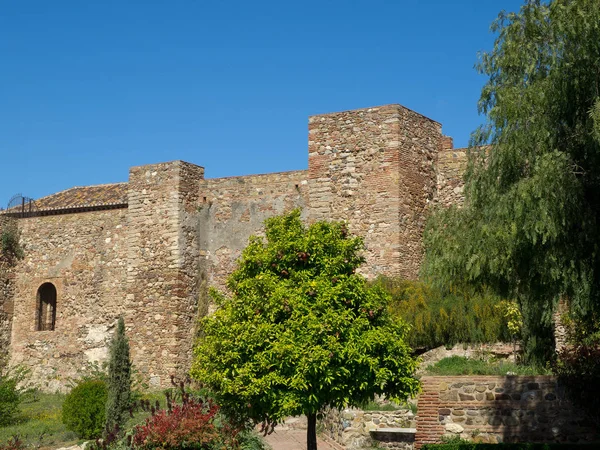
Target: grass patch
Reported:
point(388, 406)
point(459, 365)
point(39, 423)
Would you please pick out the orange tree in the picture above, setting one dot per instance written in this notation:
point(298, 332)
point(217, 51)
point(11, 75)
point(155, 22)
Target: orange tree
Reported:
point(301, 329)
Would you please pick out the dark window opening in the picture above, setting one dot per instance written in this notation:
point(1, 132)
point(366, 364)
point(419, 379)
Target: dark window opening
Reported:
point(46, 307)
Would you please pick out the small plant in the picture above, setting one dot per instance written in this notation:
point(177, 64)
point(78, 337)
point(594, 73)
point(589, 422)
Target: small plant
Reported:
point(9, 241)
point(13, 443)
point(84, 409)
point(195, 423)
point(10, 395)
point(119, 380)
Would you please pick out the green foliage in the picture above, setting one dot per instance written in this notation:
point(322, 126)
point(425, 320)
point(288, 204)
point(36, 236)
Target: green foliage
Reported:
point(530, 226)
point(388, 406)
point(84, 409)
point(39, 422)
point(9, 240)
point(578, 370)
point(302, 330)
point(459, 365)
point(11, 394)
point(14, 443)
point(446, 317)
point(119, 379)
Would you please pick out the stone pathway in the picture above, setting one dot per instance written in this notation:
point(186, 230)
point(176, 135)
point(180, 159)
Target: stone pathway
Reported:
point(284, 438)
point(291, 435)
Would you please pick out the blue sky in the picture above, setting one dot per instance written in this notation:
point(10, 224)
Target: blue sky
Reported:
point(90, 88)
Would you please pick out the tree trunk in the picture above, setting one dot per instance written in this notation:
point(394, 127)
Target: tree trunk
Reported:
point(311, 432)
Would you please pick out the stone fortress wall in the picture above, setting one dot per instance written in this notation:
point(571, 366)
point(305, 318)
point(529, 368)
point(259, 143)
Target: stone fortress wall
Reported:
point(6, 299)
point(84, 256)
point(147, 249)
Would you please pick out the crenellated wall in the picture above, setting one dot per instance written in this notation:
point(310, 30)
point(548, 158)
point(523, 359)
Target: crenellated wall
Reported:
point(149, 248)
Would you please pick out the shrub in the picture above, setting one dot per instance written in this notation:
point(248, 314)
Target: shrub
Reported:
point(84, 409)
point(194, 424)
point(9, 241)
point(457, 315)
point(119, 379)
point(197, 422)
point(13, 443)
point(578, 368)
point(10, 395)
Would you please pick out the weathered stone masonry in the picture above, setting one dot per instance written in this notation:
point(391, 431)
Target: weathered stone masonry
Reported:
point(148, 248)
point(499, 409)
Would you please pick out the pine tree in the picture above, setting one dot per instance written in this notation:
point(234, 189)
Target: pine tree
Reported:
point(119, 379)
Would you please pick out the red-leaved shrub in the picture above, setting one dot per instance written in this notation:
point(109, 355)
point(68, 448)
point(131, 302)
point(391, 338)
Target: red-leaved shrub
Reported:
point(195, 424)
point(13, 443)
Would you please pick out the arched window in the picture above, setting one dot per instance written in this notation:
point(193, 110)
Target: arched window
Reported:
point(46, 307)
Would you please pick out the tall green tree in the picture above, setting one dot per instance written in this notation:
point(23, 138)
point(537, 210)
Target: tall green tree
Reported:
point(530, 226)
point(119, 379)
point(302, 329)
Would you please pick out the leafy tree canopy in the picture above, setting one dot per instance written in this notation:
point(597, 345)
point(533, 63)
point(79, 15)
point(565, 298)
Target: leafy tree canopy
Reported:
point(302, 329)
point(530, 226)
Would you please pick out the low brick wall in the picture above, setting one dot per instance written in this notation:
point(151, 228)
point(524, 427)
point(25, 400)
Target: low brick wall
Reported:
point(352, 427)
point(498, 409)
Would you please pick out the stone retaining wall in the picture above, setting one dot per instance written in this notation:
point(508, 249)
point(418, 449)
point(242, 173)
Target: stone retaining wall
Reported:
point(499, 409)
point(352, 427)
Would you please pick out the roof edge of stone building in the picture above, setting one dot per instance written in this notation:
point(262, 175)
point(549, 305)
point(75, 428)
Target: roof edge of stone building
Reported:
point(173, 161)
point(390, 105)
point(78, 199)
point(264, 174)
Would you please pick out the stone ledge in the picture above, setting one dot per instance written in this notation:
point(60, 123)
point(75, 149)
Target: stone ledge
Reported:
point(395, 430)
point(394, 434)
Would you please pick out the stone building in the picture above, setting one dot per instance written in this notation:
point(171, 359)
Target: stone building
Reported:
point(147, 248)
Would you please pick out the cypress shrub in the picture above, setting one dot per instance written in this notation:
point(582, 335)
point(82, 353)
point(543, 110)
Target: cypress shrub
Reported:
point(119, 380)
point(84, 409)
